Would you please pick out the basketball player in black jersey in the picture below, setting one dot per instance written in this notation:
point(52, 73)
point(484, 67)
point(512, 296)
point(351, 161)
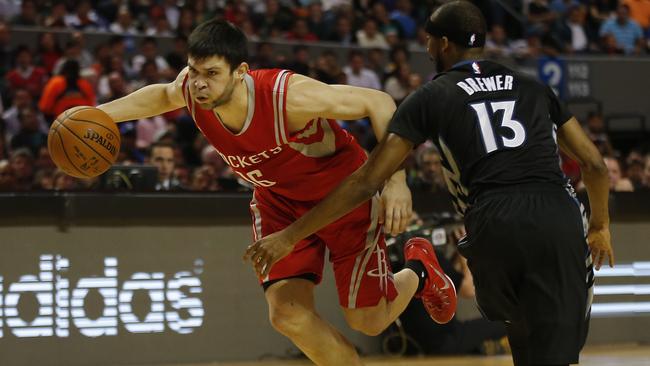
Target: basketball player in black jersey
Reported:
point(498, 132)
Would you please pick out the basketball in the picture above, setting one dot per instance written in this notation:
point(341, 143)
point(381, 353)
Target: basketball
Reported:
point(84, 141)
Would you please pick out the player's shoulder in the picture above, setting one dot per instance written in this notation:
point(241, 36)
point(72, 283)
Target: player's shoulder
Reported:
point(268, 80)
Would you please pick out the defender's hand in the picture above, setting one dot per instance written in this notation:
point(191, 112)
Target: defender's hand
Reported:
point(599, 241)
point(397, 206)
point(265, 252)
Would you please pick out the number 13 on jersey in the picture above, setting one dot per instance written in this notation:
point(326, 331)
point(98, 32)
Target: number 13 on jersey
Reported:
point(487, 128)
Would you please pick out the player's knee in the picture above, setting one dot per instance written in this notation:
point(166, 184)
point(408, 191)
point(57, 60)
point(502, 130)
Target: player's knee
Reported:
point(368, 324)
point(289, 320)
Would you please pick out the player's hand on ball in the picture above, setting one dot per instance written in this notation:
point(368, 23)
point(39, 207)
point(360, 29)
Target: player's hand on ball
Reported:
point(600, 243)
point(264, 253)
point(397, 207)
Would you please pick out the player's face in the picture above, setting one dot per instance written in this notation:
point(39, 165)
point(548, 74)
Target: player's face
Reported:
point(212, 82)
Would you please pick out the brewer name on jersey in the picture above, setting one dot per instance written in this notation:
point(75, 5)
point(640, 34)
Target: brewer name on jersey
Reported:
point(486, 84)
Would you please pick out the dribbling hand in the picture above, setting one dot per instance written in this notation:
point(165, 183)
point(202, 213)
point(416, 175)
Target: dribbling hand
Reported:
point(264, 253)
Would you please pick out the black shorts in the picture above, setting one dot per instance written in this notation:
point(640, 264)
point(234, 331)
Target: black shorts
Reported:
point(532, 268)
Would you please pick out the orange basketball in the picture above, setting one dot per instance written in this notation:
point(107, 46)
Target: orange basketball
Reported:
point(84, 141)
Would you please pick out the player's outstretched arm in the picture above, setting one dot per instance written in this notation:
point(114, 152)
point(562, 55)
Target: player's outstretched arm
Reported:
point(308, 99)
point(148, 101)
point(573, 141)
point(353, 191)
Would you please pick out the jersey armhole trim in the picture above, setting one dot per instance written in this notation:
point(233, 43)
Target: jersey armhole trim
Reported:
point(279, 106)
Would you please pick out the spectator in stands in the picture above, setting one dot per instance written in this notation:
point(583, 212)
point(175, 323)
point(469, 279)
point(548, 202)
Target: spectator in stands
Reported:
point(149, 130)
point(5, 51)
point(204, 179)
point(402, 14)
point(300, 61)
point(640, 12)
point(397, 56)
point(28, 15)
point(21, 99)
point(617, 183)
point(316, 20)
point(43, 160)
point(326, 67)
point(49, 51)
point(343, 32)
point(562, 7)
point(64, 182)
point(397, 85)
point(375, 60)
point(186, 22)
point(369, 36)
point(22, 165)
point(149, 52)
point(117, 88)
point(44, 180)
point(635, 164)
point(25, 74)
point(65, 91)
point(84, 56)
point(646, 173)
point(74, 50)
point(275, 16)
point(595, 129)
point(160, 27)
point(183, 174)
point(384, 21)
point(300, 32)
point(358, 75)
point(124, 23)
point(573, 32)
point(429, 176)
point(599, 12)
point(172, 12)
point(497, 43)
point(161, 155)
point(177, 57)
point(626, 33)
point(7, 177)
point(540, 16)
point(84, 17)
point(29, 135)
point(56, 18)
point(201, 11)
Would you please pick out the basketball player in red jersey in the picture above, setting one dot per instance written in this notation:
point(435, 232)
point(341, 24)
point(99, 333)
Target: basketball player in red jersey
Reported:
point(277, 130)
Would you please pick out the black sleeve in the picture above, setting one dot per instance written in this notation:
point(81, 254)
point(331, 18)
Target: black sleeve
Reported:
point(410, 120)
point(557, 109)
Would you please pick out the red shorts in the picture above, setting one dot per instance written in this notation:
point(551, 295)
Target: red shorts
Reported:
point(355, 241)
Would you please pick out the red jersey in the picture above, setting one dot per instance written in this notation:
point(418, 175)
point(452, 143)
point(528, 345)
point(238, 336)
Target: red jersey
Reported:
point(304, 166)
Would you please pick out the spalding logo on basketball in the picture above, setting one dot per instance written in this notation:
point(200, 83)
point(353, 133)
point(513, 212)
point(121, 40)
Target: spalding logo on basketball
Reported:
point(84, 142)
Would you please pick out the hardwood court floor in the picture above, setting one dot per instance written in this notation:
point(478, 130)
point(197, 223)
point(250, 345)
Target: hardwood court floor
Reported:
point(619, 355)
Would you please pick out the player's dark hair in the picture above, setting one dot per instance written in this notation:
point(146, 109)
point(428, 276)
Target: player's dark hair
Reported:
point(457, 19)
point(218, 38)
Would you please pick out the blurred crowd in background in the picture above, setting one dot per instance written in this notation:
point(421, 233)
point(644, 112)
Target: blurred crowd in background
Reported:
point(39, 81)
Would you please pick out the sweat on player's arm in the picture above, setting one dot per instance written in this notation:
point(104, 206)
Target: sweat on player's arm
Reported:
point(149, 101)
point(573, 141)
point(353, 191)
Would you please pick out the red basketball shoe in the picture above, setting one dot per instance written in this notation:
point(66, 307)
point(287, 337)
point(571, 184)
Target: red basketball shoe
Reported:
point(439, 293)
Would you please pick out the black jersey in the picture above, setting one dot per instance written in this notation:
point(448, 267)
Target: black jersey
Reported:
point(493, 126)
